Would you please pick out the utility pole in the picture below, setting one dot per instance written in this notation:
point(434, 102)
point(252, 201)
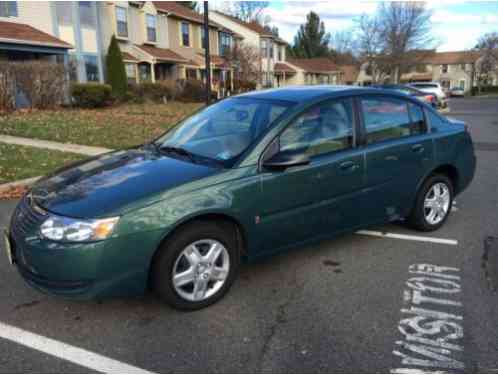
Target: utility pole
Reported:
point(207, 53)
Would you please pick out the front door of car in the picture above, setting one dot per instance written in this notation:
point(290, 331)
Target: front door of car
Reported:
point(398, 153)
point(318, 198)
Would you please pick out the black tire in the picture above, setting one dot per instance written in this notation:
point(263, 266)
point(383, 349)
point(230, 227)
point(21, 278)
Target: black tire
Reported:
point(164, 261)
point(417, 219)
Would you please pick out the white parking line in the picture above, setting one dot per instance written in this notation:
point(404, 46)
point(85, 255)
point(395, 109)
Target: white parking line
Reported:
point(443, 241)
point(67, 352)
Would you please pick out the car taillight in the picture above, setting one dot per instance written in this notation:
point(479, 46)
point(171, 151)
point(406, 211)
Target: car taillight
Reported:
point(429, 98)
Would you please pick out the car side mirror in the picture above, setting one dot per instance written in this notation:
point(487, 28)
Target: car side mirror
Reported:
point(283, 160)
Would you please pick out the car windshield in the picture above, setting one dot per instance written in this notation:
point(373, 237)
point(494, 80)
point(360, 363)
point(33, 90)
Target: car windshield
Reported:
point(224, 130)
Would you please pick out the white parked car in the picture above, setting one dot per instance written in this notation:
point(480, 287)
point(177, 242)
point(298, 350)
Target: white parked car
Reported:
point(433, 88)
point(457, 91)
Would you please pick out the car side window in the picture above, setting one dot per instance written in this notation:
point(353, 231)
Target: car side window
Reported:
point(418, 120)
point(325, 128)
point(385, 119)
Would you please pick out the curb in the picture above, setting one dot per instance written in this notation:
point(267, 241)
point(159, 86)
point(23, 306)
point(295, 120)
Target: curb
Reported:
point(26, 182)
point(51, 145)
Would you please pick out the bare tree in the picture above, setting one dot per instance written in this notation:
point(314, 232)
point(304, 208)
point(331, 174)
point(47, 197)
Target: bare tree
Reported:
point(391, 33)
point(371, 47)
point(245, 59)
point(249, 10)
point(405, 26)
point(487, 64)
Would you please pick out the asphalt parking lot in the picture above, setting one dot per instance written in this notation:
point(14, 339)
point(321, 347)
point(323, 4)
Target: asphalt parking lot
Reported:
point(359, 303)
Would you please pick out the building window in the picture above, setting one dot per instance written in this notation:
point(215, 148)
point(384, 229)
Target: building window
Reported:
point(131, 72)
point(122, 22)
point(8, 9)
point(225, 43)
point(203, 37)
point(444, 68)
point(280, 50)
point(263, 48)
point(64, 13)
point(87, 17)
point(270, 44)
point(91, 67)
point(151, 27)
point(185, 34)
point(191, 74)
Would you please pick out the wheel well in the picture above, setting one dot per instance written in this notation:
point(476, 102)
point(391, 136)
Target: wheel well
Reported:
point(220, 218)
point(451, 172)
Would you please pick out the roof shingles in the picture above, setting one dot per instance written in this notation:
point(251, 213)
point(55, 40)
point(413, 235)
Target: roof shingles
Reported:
point(20, 33)
point(163, 54)
point(315, 65)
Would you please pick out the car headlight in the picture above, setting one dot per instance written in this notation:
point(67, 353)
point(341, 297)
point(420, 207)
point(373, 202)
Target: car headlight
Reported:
point(60, 228)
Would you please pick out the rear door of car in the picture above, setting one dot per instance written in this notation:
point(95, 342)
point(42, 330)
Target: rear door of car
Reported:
point(398, 151)
point(320, 198)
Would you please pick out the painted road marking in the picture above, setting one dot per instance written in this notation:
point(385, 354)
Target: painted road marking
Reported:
point(67, 352)
point(444, 241)
point(431, 323)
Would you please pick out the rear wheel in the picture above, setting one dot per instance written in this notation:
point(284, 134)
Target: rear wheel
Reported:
point(433, 204)
point(197, 265)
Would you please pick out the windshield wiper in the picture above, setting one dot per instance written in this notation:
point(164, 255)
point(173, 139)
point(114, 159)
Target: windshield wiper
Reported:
point(178, 151)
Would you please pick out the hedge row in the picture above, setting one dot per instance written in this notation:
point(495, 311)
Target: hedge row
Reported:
point(93, 95)
point(485, 90)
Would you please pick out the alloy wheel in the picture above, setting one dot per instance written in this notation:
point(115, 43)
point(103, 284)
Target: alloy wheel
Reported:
point(437, 203)
point(201, 270)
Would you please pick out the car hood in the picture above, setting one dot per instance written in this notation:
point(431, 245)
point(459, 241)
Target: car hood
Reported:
point(113, 182)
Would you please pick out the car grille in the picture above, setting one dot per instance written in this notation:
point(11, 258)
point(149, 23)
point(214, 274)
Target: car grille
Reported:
point(25, 218)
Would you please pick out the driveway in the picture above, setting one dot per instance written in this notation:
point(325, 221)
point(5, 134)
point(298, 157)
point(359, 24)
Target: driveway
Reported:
point(359, 303)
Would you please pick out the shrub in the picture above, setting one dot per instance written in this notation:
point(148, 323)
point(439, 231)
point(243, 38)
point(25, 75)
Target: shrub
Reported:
point(7, 87)
point(241, 85)
point(485, 90)
point(91, 95)
point(116, 72)
point(192, 90)
point(42, 84)
point(158, 92)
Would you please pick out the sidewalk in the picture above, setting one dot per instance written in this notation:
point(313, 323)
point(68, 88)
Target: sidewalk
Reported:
point(65, 147)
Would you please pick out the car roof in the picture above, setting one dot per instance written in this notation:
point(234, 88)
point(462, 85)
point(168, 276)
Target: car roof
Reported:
point(300, 94)
point(425, 83)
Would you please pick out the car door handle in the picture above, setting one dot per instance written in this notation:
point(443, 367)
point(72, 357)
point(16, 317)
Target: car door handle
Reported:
point(418, 148)
point(391, 158)
point(348, 166)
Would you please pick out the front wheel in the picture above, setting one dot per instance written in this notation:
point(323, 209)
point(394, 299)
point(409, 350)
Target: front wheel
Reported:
point(433, 204)
point(197, 266)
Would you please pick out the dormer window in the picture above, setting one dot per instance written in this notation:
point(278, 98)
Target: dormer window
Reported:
point(8, 9)
point(151, 28)
point(122, 22)
point(185, 34)
point(203, 37)
point(264, 52)
point(225, 43)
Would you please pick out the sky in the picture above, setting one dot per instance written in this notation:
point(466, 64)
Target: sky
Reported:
point(456, 24)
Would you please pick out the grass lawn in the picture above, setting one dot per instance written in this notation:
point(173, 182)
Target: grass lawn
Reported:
point(20, 162)
point(114, 127)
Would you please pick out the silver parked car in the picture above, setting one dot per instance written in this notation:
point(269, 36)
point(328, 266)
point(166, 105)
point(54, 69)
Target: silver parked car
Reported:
point(432, 88)
point(457, 91)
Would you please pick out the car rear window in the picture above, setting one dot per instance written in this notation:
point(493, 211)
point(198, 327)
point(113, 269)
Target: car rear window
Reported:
point(425, 85)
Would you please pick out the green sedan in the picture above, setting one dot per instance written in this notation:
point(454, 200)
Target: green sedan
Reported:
point(247, 177)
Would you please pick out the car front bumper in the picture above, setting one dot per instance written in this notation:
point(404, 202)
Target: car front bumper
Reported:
point(114, 267)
